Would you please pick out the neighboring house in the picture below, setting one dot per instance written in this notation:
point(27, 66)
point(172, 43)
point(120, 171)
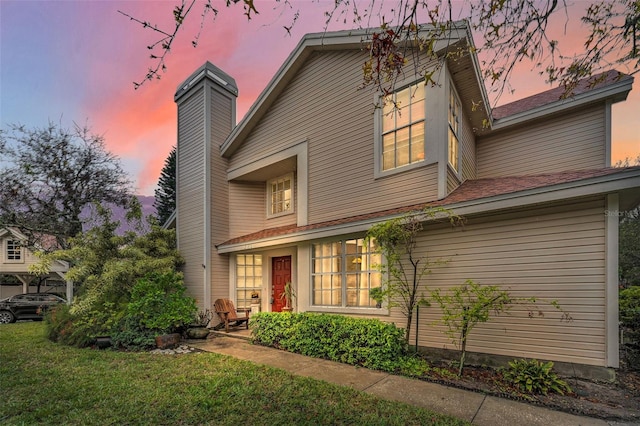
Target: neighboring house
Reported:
point(289, 192)
point(15, 261)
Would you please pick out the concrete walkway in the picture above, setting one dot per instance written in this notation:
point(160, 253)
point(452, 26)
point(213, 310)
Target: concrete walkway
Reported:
point(474, 407)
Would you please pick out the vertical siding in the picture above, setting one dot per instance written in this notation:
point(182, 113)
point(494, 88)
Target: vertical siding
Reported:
point(323, 105)
point(567, 142)
point(221, 110)
point(190, 190)
point(552, 253)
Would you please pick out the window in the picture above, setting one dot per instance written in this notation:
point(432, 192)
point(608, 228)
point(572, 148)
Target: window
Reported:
point(280, 195)
point(248, 278)
point(454, 124)
point(403, 127)
point(343, 273)
point(14, 251)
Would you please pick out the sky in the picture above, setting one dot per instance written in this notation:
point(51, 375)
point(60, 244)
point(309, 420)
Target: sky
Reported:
point(76, 61)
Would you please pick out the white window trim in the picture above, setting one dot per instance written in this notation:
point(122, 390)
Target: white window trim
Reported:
point(429, 153)
point(292, 210)
point(369, 310)
point(6, 252)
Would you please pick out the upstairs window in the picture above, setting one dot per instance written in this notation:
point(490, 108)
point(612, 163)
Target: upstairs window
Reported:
point(454, 126)
point(403, 117)
point(280, 196)
point(14, 251)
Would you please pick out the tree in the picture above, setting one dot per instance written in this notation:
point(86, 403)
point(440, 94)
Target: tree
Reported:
point(106, 266)
point(629, 238)
point(50, 177)
point(465, 306)
point(509, 31)
point(404, 268)
point(165, 195)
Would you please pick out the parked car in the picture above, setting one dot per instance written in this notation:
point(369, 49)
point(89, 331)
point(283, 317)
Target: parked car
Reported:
point(27, 306)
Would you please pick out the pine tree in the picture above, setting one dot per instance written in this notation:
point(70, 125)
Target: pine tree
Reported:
point(165, 194)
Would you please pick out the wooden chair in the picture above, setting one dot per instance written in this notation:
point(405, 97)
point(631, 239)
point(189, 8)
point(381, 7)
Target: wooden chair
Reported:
point(227, 313)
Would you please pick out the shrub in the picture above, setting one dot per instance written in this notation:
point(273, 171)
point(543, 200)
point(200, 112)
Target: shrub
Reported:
point(158, 303)
point(532, 376)
point(366, 342)
point(129, 335)
point(630, 311)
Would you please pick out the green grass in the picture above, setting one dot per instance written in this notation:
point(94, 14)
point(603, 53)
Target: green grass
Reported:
point(46, 383)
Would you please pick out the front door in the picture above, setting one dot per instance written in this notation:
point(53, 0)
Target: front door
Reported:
point(280, 275)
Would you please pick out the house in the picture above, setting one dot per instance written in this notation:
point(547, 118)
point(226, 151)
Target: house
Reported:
point(288, 193)
point(15, 261)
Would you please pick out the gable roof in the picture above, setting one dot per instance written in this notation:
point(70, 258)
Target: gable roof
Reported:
point(611, 84)
point(465, 69)
point(470, 192)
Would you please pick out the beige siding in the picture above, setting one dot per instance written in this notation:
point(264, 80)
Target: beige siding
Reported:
point(452, 180)
point(566, 142)
point(190, 190)
point(248, 206)
point(322, 104)
point(468, 148)
point(221, 110)
point(550, 253)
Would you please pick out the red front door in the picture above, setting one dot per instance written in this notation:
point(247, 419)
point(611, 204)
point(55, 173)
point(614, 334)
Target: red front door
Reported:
point(280, 275)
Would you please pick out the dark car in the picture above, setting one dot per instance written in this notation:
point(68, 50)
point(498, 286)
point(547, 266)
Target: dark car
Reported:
point(27, 306)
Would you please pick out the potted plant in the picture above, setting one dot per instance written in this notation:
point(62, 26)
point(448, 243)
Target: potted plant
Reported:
point(198, 329)
point(377, 295)
point(288, 295)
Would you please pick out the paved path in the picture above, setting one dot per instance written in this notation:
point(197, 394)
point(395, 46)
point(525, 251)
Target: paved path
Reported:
point(474, 407)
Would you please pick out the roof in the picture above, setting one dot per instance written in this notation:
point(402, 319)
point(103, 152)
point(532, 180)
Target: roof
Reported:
point(470, 190)
point(343, 40)
point(557, 95)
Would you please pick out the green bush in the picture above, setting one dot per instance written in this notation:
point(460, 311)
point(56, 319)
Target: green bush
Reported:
point(158, 303)
point(630, 311)
point(532, 376)
point(129, 335)
point(366, 342)
point(65, 327)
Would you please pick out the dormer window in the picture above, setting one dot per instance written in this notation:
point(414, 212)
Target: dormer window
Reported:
point(13, 253)
point(280, 196)
point(454, 126)
point(403, 118)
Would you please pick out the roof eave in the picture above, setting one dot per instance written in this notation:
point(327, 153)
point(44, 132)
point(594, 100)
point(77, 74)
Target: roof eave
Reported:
point(581, 188)
point(616, 92)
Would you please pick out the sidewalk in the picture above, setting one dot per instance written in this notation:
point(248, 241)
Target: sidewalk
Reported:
point(474, 407)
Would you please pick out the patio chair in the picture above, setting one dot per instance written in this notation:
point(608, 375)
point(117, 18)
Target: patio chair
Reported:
point(228, 315)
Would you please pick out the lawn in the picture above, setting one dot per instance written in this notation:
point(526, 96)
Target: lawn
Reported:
point(45, 383)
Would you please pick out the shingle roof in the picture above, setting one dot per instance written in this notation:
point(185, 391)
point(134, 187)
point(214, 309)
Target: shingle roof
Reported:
point(553, 95)
point(470, 190)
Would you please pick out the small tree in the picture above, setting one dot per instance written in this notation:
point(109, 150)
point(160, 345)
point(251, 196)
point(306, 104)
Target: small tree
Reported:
point(165, 195)
point(467, 305)
point(404, 267)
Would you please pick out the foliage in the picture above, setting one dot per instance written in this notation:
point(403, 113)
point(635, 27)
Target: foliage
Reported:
point(365, 342)
point(465, 306)
point(196, 389)
point(129, 334)
point(509, 32)
point(630, 324)
point(535, 377)
point(404, 269)
point(106, 266)
point(165, 194)
point(50, 176)
point(158, 303)
point(629, 248)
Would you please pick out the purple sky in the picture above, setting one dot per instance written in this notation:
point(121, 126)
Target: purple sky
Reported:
point(75, 61)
